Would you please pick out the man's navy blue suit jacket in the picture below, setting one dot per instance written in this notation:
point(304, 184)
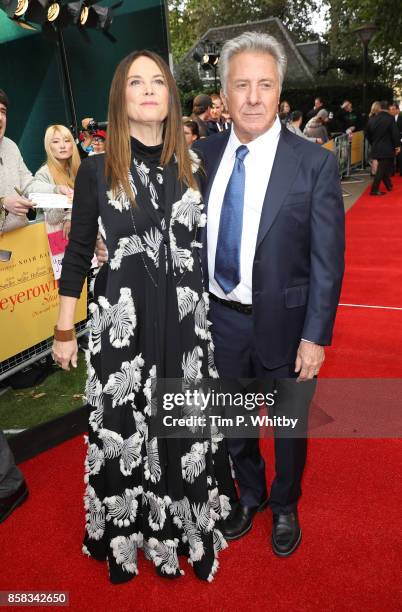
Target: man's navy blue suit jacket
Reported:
point(299, 257)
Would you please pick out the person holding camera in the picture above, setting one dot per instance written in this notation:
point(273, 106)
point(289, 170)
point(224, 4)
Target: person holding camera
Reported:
point(98, 142)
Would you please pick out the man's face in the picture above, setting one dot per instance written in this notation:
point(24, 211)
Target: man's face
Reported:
point(216, 110)
point(317, 103)
point(394, 110)
point(3, 120)
point(252, 93)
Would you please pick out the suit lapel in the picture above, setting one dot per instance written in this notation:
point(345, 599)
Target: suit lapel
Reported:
point(213, 162)
point(283, 173)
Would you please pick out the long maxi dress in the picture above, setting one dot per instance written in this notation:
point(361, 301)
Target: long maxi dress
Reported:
point(148, 320)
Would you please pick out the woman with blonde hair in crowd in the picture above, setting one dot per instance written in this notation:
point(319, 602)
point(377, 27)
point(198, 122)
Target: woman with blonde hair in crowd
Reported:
point(58, 174)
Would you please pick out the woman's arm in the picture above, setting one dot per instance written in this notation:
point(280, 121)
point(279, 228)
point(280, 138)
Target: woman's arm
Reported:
point(42, 182)
point(77, 259)
point(84, 230)
point(66, 351)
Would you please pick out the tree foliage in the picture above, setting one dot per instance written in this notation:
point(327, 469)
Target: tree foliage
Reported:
point(190, 19)
point(343, 16)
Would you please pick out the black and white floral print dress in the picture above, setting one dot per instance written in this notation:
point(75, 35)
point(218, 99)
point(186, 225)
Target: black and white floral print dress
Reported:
point(148, 320)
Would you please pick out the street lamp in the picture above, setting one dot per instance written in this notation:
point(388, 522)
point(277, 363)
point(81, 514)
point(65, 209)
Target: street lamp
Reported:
point(207, 55)
point(365, 33)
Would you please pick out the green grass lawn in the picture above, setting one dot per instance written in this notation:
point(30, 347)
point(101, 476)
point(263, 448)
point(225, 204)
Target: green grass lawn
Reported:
point(61, 392)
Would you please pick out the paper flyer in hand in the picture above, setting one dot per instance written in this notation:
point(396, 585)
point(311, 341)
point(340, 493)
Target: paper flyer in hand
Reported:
point(50, 200)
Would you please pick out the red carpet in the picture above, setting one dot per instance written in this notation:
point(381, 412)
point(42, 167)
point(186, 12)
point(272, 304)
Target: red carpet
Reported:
point(350, 558)
point(367, 341)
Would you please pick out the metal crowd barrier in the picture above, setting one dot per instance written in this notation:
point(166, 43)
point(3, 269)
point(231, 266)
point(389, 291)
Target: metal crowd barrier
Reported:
point(18, 362)
point(27, 357)
point(350, 154)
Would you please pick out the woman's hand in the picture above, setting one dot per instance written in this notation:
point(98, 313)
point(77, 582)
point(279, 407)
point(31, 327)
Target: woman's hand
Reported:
point(65, 353)
point(65, 190)
point(66, 229)
point(101, 251)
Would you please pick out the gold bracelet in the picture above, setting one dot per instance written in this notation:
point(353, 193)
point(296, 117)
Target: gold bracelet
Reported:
point(64, 335)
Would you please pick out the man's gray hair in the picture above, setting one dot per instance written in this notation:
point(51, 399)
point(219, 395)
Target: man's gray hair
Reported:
point(252, 41)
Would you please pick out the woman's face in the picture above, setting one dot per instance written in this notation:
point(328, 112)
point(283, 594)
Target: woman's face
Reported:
point(147, 96)
point(61, 146)
point(286, 107)
point(188, 135)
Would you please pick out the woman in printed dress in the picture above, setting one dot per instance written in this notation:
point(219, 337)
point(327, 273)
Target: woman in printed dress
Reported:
point(148, 323)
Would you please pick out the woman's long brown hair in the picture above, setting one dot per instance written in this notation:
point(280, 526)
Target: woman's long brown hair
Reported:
point(118, 148)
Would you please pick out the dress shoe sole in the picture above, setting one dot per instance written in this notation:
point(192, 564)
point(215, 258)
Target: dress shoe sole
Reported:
point(289, 552)
point(15, 505)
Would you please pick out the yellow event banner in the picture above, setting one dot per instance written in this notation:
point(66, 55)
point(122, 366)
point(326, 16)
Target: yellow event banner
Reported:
point(357, 148)
point(330, 145)
point(29, 296)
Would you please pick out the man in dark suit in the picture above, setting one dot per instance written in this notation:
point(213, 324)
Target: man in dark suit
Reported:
point(382, 133)
point(318, 105)
point(217, 123)
point(201, 114)
point(275, 247)
point(394, 110)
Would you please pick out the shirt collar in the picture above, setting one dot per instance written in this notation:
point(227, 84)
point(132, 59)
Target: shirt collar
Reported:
point(266, 139)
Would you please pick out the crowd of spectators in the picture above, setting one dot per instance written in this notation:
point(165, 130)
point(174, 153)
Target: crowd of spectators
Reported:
point(383, 131)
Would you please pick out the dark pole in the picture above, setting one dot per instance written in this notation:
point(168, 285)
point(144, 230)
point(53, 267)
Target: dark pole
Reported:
point(365, 62)
point(67, 81)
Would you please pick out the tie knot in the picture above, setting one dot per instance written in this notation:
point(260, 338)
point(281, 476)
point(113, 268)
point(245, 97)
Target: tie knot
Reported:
point(241, 152)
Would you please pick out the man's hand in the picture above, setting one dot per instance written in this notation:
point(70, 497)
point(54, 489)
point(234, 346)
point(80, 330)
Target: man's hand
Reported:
point(101, 251)
point(309, 360)
point(18, 205)
point(65, 190)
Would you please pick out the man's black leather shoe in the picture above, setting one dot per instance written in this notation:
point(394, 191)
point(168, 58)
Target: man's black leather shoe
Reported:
point(286, 534)
point(377, 193)
point(10, 503)
point(240, 520)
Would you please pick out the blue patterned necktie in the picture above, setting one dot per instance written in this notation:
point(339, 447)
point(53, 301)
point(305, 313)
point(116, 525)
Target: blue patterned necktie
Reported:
point(227, 258)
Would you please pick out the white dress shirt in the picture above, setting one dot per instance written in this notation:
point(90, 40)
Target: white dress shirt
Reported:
point(258, 165)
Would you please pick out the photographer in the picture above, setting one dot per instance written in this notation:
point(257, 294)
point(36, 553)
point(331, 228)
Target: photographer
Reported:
point(90, 127)
point(14, 177)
